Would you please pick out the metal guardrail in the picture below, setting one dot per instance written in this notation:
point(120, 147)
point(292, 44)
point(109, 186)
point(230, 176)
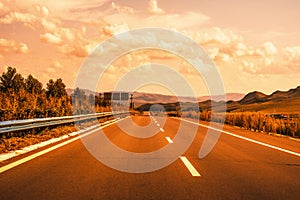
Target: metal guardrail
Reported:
point(20, 125)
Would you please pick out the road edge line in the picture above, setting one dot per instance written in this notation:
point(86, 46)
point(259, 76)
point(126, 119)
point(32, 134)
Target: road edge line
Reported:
point(245, 138)
point(40, 153)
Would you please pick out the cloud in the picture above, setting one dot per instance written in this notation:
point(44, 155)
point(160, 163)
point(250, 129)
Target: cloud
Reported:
point(24, 18)
point(49, 25)
point(264, 66)
point(43, 10)
point(69, 41)
point(88, 8)
point(248, 66)
point(179, 21)
point(227, 47)
point(57, 65)
point(22, 48)
point(75, 27)
point(223, 57)
point(267, 59)
point(75, 50)
point(122, 9)
point(153, 7)
point(216, 36)
point(220, 44)
point(291, 53)
point(184, 21)
point(213, 52)
point(51, 38)
point(11, 46)
point(291, 56)
point(50, 70)
point(113, 29)
point(267, 49)
point(3, 8)
point(188, 20)
point(52, 30)
point(75, 10)
point(131, 60)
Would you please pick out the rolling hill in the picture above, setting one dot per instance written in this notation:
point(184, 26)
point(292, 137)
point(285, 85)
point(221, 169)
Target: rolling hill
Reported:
point(141, 98)
point(144, 98)
point(253, 97)
point(277, 102)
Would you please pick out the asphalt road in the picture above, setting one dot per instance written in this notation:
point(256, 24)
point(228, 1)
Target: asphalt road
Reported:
point(234, 169)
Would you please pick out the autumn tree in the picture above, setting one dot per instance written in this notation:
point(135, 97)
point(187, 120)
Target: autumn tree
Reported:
point(11, 81)
point(25, 98)
point(56, 88)
point(33, 86)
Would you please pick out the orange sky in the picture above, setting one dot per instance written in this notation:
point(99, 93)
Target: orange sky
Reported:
point(254, 44)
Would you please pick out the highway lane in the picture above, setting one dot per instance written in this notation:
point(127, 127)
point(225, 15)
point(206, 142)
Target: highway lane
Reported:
point(235, 169)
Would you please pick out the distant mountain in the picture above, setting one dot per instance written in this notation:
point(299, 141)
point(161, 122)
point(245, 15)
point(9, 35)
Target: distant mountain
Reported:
point(285, 94)
point(229, 97)
point(277, 102)
point(253, 97)
point(258, 97)
point(143, 98)
point(69, 91)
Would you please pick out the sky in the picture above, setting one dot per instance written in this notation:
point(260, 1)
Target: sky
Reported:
point(255, 45)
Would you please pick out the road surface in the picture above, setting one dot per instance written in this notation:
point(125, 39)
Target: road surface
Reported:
point(235, 169)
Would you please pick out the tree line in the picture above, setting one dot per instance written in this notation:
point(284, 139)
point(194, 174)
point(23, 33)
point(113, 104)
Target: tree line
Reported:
point(25, 98)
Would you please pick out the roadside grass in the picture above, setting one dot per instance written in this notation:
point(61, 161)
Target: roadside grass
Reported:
point(253, 121)
point(23, 140)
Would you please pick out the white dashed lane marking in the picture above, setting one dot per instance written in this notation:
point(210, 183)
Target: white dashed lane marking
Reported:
point(169, 140)
point(189, 166)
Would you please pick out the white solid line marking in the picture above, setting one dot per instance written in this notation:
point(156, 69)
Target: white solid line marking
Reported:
point(162, 130)
point(247, 139)
point(28, 158)
point(190, 167)
point(169, 139)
